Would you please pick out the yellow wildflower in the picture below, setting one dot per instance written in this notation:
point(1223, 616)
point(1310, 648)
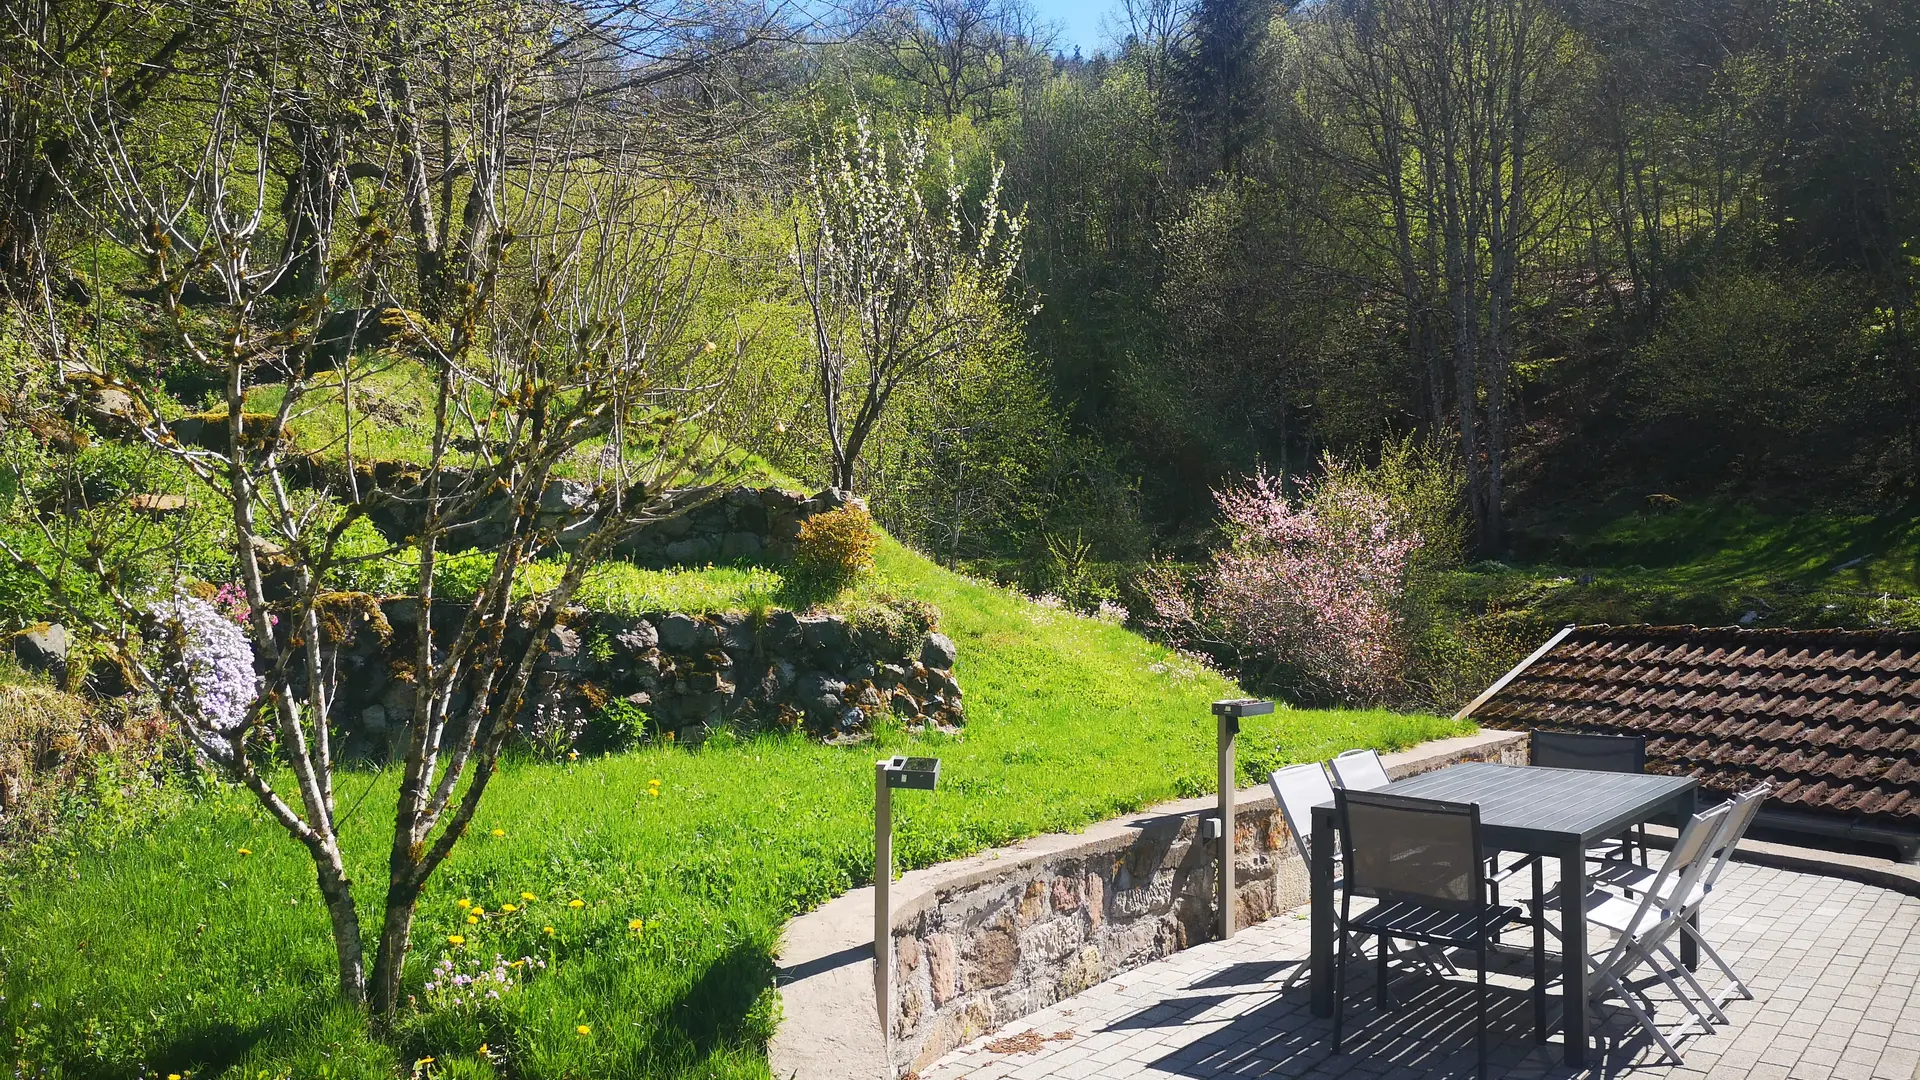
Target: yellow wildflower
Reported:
point(654, 792)
point(499, 832)
point(465, 904)
point(483, 1050)
point(173, 1076)
point(548, 930)
point(528, 896)
point(478, 910)
point(584, 1030)
point(246, 851)
point(576, 903)
point(655, 782)
point(636, 924)
point(456, 939)
point(508, 909)
point(472, 920)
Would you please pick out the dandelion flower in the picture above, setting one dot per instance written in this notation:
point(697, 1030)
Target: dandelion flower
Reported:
point(508, 909)
point(472, 920)
point(583, 1029)
point(465, 904)
point(483, 1050)
point(528, 896)
point(243, 851)
point(654, 792)
point(576, 903)
point(548, 930)
point(173, 1076)
point(636, 924)
point(655, 782)
point(499, 832)
point(478, 910)
point(456, 939)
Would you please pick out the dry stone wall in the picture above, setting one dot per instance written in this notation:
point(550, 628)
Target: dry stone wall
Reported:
point(831, 675)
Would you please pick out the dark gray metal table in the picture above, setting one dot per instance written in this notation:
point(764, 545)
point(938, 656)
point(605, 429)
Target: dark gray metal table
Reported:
point(1553, 813)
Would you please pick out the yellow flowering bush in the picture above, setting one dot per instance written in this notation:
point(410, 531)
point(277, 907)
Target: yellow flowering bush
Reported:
point(835, 548)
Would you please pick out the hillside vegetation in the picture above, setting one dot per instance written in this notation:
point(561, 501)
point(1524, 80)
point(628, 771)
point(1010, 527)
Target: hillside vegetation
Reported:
point(194, 945)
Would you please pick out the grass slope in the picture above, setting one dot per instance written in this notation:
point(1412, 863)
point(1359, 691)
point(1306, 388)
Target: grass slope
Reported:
point(173, 952)
point(1711, 565)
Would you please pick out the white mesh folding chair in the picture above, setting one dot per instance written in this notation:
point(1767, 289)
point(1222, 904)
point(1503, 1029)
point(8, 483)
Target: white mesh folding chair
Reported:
point(1642, 929)
point(1741, 811)
point(1359, 770)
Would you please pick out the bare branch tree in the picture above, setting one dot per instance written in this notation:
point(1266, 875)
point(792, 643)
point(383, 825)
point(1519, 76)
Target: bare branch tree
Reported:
point(549, 329)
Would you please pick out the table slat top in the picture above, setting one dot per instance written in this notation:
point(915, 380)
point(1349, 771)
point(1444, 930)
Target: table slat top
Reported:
point(1530, 798)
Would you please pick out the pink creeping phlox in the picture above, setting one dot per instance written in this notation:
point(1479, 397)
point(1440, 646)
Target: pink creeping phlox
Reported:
point(1313, 585)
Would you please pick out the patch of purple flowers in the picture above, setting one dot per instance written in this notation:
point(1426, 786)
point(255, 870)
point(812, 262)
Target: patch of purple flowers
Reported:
point(450, 987)
point(215, 661)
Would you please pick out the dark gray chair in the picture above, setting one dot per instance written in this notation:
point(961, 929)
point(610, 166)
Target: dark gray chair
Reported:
point(1596, 753)
point(1421, 859)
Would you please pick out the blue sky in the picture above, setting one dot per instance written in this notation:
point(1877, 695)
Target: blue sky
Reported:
point(1079, 21)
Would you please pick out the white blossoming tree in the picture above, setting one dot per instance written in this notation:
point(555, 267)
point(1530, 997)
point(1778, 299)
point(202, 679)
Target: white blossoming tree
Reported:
point(501, 215)
point(896, 283)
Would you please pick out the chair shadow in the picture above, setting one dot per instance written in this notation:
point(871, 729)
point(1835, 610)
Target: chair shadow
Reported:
point(1426, 1030)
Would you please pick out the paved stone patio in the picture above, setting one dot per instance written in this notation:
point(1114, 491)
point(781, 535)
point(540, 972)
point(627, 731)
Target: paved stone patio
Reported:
point(1835, 967)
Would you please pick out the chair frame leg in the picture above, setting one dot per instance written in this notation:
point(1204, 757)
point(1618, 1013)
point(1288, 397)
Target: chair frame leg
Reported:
point(1340, 987)
point(1480, 1006)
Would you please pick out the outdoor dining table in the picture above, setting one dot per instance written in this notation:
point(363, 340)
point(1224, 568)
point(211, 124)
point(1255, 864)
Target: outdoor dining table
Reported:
point(1552, 813)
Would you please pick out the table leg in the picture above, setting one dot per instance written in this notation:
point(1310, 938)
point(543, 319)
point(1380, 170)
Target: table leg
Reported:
point(1573, 954)
point(1320, 916)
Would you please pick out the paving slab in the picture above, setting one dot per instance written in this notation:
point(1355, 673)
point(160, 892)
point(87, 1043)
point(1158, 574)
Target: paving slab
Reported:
point(1827, 958)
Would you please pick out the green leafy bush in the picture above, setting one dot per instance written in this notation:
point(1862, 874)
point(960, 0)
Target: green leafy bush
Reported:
point(618, 725)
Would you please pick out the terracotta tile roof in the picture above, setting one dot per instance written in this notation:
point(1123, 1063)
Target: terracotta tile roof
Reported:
point(1832, 717)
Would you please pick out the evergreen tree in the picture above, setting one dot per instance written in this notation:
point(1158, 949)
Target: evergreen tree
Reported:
point(1220, 78)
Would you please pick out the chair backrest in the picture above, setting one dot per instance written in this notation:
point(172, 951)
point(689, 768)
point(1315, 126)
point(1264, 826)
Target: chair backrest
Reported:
point(1740, 814)
point(1422, 851)
point(1359, 770)
point(1594, 753)
point(1298, 789)
point(1676, 877)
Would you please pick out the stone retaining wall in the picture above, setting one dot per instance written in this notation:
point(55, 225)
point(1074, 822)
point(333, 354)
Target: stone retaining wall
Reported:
point(976, 953)
point(690, 674)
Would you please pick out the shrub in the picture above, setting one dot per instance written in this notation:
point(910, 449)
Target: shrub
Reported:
point(836, 547)
point(1308, 593)
point(618, 725)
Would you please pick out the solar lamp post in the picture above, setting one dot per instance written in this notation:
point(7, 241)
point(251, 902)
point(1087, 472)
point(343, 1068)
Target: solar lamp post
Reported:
point(1227, 716)
point(911, 774)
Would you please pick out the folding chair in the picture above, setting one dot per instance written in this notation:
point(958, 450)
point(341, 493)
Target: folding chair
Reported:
point(1740, 814)
point(1422, 861)
point(1643, 927)
point(1359, 770)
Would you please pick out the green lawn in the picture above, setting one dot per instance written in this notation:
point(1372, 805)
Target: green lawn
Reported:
point(168, 951)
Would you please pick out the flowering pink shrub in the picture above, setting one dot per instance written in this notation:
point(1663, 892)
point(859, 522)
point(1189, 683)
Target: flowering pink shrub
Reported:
point(1307, 591)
